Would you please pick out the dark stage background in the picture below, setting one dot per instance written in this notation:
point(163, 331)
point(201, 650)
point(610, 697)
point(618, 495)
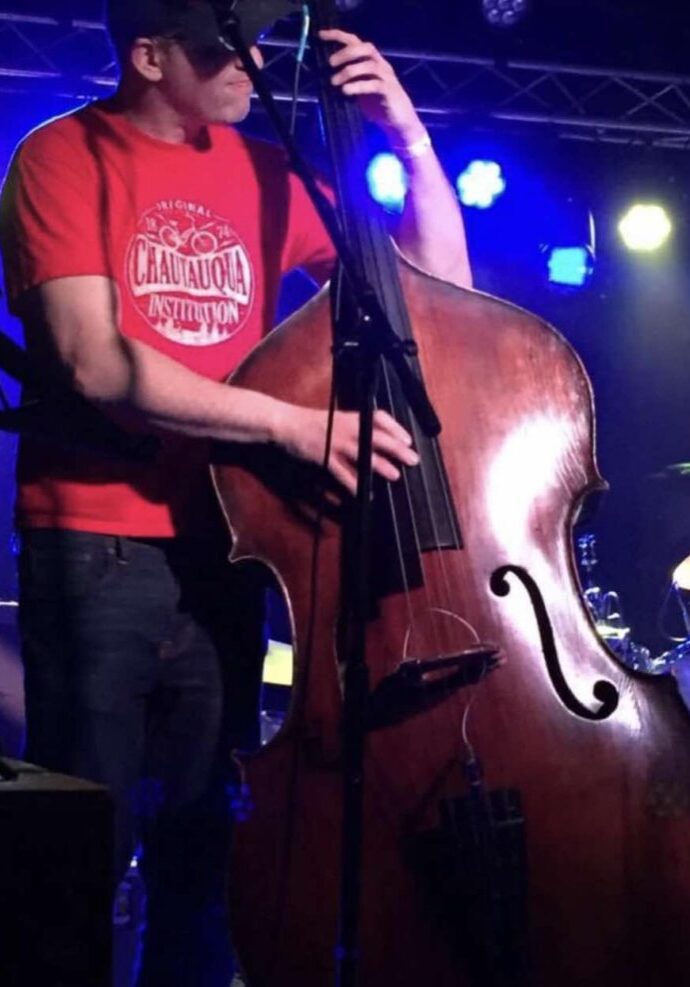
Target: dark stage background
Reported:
point(630, 324)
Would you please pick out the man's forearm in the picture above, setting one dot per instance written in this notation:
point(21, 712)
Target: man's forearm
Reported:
point(149, 390)
point(431, 232)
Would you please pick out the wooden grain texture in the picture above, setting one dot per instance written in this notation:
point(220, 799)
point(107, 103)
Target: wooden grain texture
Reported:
point(607, 804)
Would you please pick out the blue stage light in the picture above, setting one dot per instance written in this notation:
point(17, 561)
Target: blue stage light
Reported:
point(387, 181)
point(480, 184)
point(570, 265)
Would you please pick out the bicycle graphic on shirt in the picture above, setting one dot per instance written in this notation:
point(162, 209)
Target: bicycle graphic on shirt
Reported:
point(199, 240)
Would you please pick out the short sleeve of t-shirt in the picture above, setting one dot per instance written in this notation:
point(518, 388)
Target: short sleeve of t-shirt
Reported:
point(49, 213)
point(307, 245)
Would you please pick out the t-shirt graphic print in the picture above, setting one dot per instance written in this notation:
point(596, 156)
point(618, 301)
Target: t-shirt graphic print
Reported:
point(190, 274)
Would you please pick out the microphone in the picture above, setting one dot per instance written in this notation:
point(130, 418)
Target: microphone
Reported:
point(252, 17)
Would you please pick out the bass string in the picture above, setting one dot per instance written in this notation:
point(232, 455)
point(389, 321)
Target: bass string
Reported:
point(343, 126)
point(385, 265)
point(443, 604)
point(367, 234)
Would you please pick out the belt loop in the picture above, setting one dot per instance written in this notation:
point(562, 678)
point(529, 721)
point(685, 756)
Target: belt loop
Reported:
point(121, 550)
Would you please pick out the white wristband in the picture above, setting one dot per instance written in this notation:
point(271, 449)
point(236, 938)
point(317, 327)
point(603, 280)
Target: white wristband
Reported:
point(415, 150)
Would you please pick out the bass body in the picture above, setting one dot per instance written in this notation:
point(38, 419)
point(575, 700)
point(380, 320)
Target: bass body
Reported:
point(527, 798)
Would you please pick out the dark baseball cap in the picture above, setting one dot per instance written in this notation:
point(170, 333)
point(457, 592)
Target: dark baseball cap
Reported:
point(195, 23)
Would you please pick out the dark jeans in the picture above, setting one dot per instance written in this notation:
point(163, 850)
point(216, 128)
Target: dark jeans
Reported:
point(142, 663)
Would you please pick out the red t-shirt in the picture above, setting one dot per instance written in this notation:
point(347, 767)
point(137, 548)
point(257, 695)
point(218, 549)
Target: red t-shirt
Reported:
point(196, 240)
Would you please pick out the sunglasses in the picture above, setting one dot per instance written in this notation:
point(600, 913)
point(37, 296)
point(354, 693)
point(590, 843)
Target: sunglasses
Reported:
point(204, 56)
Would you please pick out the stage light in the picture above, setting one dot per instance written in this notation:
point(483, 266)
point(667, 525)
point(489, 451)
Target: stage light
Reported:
point(504, 13)
point(387, 181)
point(569, 242)
point(480, 184)
point(570, 266)
point(645, 227)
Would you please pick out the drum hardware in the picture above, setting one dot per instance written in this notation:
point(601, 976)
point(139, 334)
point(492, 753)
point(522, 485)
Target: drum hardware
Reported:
point(605, 608)
point(276, 688)
point(681, 589)
point(606, 611)
point(680, 592)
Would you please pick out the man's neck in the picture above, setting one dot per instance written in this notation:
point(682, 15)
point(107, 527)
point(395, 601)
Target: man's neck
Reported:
point(155, 118)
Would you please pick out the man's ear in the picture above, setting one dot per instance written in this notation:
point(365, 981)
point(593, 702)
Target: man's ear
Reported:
point(146, 57)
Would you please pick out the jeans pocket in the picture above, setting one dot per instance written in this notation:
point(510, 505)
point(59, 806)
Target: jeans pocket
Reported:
point(57, 564)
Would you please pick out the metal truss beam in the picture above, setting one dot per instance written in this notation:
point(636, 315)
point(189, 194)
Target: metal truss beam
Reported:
point(71, 58)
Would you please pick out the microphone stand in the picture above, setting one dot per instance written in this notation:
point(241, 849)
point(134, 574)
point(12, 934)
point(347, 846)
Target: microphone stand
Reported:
point(373, 339)
point(64, 417)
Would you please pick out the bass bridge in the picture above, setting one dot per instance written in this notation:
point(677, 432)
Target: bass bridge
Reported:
point(418, 685)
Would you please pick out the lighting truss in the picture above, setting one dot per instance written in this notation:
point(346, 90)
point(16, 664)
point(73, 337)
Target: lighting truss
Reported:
point(71, 58)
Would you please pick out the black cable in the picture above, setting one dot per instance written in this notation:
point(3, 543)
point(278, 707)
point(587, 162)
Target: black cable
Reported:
point(304, 36)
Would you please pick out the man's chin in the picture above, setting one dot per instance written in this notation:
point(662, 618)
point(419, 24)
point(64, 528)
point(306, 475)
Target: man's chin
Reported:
point(234, 114)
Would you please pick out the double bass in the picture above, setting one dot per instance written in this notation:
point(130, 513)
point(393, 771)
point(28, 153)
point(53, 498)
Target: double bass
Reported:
point(526, 797)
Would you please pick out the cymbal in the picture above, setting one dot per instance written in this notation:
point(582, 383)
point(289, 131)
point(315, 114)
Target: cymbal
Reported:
point(674, 472)
point(681, 574)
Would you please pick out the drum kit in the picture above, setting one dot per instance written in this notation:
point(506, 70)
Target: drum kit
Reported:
point(607, 613)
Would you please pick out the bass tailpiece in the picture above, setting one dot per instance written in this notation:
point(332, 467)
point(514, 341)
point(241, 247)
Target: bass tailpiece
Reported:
point(473, 869)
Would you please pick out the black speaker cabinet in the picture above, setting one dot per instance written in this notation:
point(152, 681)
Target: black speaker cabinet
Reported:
point(55, 881)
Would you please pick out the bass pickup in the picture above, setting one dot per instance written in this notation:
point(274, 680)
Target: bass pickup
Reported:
point(418, 685)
